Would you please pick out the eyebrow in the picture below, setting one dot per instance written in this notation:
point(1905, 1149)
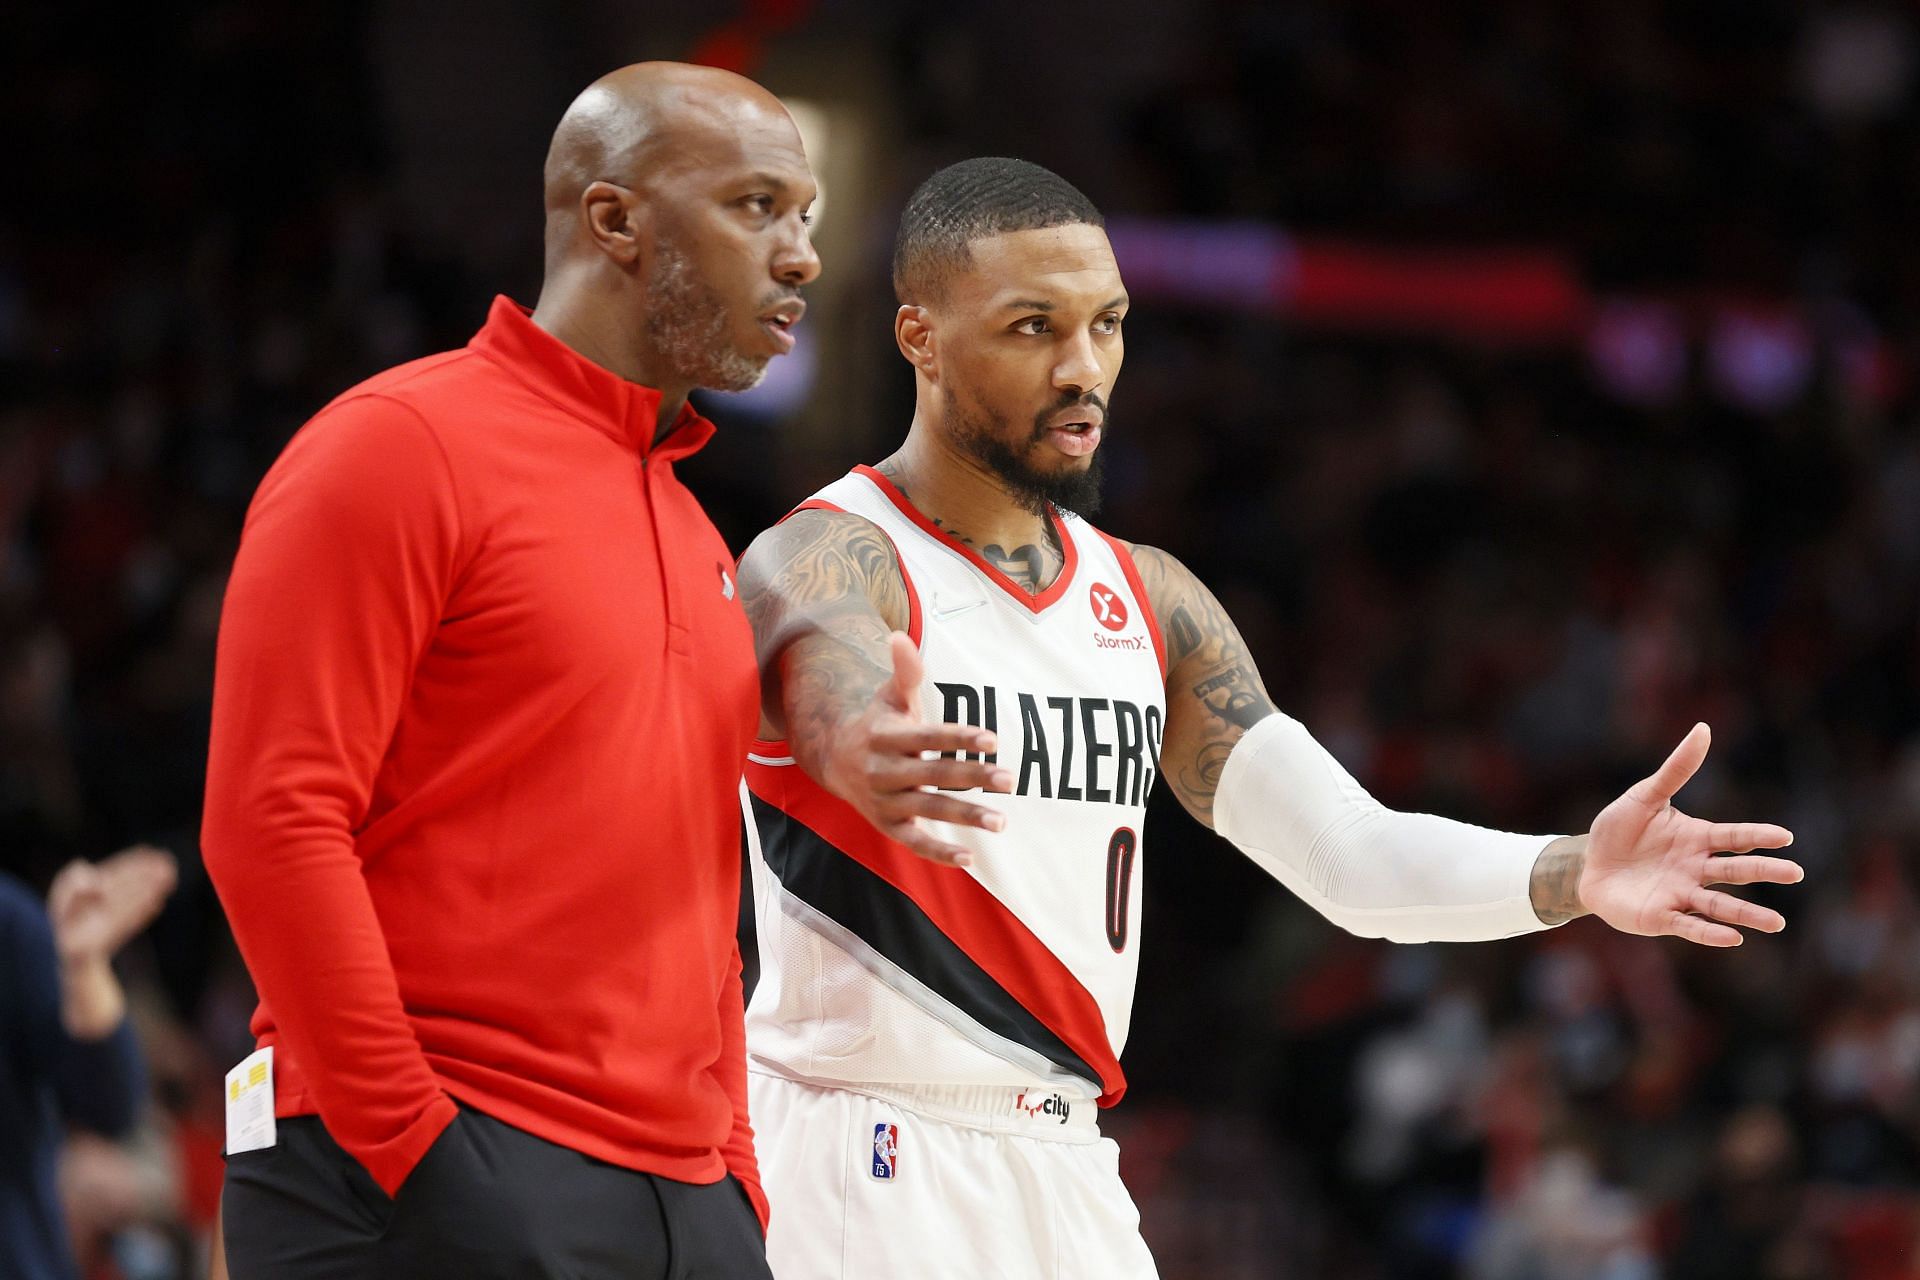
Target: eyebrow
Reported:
point(1029, 304)
point(778, 183)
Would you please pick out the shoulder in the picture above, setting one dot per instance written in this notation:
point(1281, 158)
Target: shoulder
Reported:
point(407, 405)
point(824, 560)
point(1166, 581)
point(820, 534)
point(367, 463)
point(421, 384)
point(380, 432)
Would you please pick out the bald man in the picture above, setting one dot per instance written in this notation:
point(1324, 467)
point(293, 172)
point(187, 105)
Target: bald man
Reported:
point(483, 692)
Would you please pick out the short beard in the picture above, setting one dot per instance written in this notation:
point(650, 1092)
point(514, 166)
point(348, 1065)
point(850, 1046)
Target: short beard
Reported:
point(982, 437)
point(688, 323)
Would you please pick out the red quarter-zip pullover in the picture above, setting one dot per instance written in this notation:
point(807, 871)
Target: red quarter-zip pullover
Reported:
point(484, 692)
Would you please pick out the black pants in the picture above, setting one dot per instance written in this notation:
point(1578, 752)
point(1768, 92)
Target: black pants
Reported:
point(487, 1202)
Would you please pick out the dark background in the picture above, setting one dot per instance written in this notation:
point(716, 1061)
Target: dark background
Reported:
point(1529, 379)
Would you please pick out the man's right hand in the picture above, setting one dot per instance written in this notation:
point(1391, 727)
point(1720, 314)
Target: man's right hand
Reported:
point(878, 765)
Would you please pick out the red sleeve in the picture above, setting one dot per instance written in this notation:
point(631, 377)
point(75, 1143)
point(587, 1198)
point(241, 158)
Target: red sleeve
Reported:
point(343, 568)
point(731, 1070)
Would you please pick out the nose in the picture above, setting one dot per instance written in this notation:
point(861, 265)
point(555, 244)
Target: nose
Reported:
point(1078, 369)
point(795, 262)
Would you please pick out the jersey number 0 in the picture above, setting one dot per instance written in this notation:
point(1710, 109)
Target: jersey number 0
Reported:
point(1119, 883)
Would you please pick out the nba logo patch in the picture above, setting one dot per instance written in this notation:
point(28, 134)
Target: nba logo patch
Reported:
point(886, 1151)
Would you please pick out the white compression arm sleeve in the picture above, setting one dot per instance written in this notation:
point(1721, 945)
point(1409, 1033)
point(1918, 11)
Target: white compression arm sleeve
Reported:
point(1411, 877)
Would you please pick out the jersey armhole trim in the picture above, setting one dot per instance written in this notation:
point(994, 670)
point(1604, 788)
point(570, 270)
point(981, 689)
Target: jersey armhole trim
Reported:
point(1125, 556)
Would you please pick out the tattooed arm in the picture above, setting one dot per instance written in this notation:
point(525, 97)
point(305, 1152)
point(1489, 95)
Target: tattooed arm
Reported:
point(1644, 868)
point(1214, 694)
point(841, 682)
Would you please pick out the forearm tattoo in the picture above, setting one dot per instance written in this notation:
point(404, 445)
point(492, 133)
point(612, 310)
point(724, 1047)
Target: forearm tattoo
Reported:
point(1214, 694)
point(823, 591)
point(1555, 884)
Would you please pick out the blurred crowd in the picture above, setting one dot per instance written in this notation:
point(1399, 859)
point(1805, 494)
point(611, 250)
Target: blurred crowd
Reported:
point(1492, 589)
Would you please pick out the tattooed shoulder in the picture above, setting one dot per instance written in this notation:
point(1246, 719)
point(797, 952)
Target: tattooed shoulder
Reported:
point(1214, 692)
point(820, 559)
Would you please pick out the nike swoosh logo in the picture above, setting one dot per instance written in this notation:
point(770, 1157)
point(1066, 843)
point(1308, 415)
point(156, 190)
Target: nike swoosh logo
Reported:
point(957, 610)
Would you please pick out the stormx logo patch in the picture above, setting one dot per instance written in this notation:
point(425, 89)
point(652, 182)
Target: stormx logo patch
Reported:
point(1037, 1105)
point(1109, 610)
point(886, 1152)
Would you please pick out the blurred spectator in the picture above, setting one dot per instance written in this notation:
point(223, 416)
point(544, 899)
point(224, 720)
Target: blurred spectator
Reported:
point(69, 1053)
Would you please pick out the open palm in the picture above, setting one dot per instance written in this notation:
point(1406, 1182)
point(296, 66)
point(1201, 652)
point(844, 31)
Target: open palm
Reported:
point(1648, 865)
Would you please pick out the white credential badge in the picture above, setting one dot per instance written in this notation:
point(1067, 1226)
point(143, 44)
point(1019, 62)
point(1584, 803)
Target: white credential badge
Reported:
point(250, 1103)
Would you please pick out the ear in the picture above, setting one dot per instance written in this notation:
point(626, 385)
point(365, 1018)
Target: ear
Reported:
point(615, 221)
point(913, 333)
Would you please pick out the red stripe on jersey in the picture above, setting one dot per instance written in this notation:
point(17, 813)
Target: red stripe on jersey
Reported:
point(961, 908)
point(1124, 554)
point(1036, 603)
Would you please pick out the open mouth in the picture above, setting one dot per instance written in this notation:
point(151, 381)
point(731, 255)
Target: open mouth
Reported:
point(1075, 436)
point(780, 322)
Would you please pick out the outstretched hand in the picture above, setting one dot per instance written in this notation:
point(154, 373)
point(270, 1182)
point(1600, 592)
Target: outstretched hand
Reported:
point(878, 765)
point(1648, 866)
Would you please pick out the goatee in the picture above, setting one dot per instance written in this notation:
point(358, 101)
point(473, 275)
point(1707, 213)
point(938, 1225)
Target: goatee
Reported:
point(982, 437)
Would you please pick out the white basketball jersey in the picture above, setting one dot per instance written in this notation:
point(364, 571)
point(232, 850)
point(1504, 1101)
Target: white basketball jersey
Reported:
point(879, 966)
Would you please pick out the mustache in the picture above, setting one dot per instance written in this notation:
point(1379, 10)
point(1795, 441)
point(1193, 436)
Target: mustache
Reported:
point(776, 297)
point(1089, 400)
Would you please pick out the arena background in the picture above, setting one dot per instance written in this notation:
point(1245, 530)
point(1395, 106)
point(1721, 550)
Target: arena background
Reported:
point(1530, 379)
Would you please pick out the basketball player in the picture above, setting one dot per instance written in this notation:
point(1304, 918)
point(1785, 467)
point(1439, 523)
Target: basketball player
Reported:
point(943, 1003)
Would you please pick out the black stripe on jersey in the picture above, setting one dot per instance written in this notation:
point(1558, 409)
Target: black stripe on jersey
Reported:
point(846, 892)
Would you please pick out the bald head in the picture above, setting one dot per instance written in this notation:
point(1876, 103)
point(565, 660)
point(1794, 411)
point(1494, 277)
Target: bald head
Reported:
point(645, 120)
point(677, 242)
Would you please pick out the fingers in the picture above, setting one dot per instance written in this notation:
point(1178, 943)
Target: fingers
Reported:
point(78, 878)
point(1739, 869)
point(1657, 789)
point(923, 842)
point(1703, 931)
point(943, 808)
point(902, 693)
point(1728, 909)
point(902, 774)
point(1714, 919)
point(1742, 836)
point(905, 739)
point(141, 870)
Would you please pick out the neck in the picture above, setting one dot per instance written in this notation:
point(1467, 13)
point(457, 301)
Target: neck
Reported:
point(596, 321)
point(969, 502)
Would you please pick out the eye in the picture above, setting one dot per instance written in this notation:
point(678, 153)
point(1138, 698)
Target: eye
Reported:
point(1109, 323)
point(760, 204)
point(1032, 325)
point(806, 217)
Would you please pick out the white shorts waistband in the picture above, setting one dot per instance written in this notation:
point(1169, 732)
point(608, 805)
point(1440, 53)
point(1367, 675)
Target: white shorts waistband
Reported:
point(1032, 1111)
